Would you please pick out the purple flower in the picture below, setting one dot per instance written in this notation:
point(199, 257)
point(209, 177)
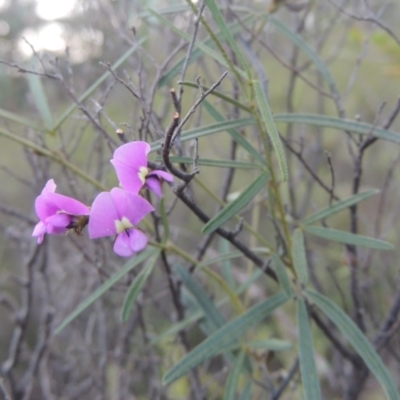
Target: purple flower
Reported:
point(116, 213)
point(57, 213)
point(130, 162)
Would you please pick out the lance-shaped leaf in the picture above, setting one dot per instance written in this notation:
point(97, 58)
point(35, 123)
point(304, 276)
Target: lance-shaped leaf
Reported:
point(309, 375)
point(358, 340)
point(39, 96)
point(339, 206)
point(132, 263)
point(299, 256)
point(342, 124)
point(220, 21)
point(236, 205)
point(213, 163)
point(201, 131)
point(136, 287)
point(223, 337)
point(208, 307)
point(273, 134)
point(281, 272)
point(348, 238)
point(233, 378)
point(234, 134)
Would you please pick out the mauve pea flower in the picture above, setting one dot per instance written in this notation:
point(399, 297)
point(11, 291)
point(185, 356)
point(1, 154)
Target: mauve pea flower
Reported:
point(116, 213)
point(130, 163)
point(57, 213)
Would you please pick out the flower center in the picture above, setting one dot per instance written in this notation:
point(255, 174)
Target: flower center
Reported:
point(143, 172)
point(123, 224)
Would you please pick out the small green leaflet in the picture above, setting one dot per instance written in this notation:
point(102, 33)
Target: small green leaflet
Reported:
point(236, 205)
point(348, 238)
point(309, 375)
point(299, 256)
point(273, 134)
point(339, 206)
point(136, 287)
point(358, 340)
point(224, 337)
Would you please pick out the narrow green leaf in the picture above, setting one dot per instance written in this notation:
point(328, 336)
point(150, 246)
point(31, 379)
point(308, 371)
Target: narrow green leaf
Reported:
point(273, 134)
point(223, 337)
point(132, 263)
point(39, 96)
point(348, 238)
point(236, 205)
point(136, 287)
point(270, 344)
point(236, 136)
point(174, 329)
point(309, 375)
point(299, 256)
point(358, 340)
point(220, 21)
point(20, 120)
point(339, 206)
point(313, 55)
point(207, 130)
point(96, 84)
point(233, 378)
point(281, 272)
point(342, 124)
point(210, 310)
point(247, 393)
point(229, 256)
point(213, 163)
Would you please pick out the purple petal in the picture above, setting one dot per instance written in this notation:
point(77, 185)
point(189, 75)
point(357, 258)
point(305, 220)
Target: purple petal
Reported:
point(39, 231)
point(128, 176)
point(67, 204)
point(154, 184)
point(130, 205)
point(50, 187)
point(137, 239)
point(133, 154)
point(122, 245)
point(55, 230)
point(44, 207)
point(163, 175)
point(103, 216)
point(59, 220)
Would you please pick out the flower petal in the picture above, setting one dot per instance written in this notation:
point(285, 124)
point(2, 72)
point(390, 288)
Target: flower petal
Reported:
point(44, 207)
point(59, 220)
point(103, 215)
point(133, 154)
point(130, 205)
point(39, 231)
point(122, 245)
point(137, 239)
point(154, 184)
point(50, 187)
point(67, 204)
point(128, 177)
point(162, 174)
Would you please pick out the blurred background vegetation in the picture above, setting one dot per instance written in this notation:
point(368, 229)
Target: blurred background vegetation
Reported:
point(97, 356)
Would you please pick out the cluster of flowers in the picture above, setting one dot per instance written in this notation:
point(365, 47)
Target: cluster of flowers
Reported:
point(112, 213)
